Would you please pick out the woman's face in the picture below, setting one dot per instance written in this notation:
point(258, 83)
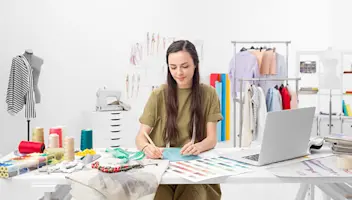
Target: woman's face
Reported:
point(181, 67)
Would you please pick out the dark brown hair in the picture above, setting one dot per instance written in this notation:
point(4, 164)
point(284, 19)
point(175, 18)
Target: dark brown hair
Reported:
point(171, 131)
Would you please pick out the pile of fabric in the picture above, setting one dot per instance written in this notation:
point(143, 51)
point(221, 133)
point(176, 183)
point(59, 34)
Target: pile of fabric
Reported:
point(97, 182)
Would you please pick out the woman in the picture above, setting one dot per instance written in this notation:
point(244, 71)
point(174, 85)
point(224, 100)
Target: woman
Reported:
point(183, 113)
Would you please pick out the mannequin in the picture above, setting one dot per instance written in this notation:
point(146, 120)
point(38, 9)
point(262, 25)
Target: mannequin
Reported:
point(36, 64)
point(330, 61)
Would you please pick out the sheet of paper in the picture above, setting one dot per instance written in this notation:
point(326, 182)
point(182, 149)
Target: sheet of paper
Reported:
point(207, 168)
point(173, 155)
point(319, 167)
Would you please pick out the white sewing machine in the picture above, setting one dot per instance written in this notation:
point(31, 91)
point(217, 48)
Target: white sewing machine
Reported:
point(109, 100)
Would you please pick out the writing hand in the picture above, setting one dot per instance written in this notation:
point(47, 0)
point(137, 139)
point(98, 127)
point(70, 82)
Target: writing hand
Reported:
point(153, 152)
point(190, 149)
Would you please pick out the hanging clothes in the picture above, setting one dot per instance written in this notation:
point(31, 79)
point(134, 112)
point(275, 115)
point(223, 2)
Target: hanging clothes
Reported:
point(293, 97)
point(268, 64)
point(254, 114)
point(259, 55)
point(281, 69)
point(286, 99)
point(242, 65)
point(247, 123)
point(20, 90)
point(273, 100)
point(255, 106)
point(261, 116)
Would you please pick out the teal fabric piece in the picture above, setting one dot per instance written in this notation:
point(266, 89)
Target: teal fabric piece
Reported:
point(173, 155)
point(124, 155)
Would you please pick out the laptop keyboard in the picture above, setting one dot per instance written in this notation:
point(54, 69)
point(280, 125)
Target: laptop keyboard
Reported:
point(254, 157)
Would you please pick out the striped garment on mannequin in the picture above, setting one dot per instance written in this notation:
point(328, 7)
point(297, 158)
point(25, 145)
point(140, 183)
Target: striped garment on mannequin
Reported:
point(20, 90)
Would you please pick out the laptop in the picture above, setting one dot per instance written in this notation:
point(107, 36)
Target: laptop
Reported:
point(286, 136)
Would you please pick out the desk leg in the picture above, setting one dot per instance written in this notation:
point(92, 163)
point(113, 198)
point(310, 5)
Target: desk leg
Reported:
point(302, 192)
point(312, 191)
point(326, 197)
point(47, 196)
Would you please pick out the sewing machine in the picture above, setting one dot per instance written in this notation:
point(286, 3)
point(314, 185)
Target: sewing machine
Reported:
point(103, 98)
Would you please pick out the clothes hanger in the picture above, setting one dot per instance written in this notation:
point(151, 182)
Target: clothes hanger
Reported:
point(252, 47)
point(243, 49)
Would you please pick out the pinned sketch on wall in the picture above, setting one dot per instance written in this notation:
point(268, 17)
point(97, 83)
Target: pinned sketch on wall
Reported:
point(148, 42)
point(138, 83)
point(153, 44)
point(127, 86)
point(136, 54)
point(147, 63)
point(132, 86)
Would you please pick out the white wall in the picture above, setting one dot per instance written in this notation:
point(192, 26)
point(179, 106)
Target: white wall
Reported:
point(86, 44)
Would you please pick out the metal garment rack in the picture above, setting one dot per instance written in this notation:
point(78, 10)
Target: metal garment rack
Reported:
point(239, 100)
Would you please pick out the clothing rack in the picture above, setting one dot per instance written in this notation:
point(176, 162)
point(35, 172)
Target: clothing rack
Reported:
point(28, 129)
point(239, 100)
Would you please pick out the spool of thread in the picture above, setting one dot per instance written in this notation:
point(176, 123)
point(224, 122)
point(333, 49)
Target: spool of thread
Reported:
point(69, 149)
point(57, 153)
point(54, 140)
point(58, 131)
point(344, 162)
point(38, 135)
point(86, 139)
point(31, 147)
point(63, 131)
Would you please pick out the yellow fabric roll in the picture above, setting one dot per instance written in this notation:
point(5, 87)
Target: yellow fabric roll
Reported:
point(227, 112)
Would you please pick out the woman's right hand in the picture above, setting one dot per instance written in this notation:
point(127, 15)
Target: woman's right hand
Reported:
point(152, 152)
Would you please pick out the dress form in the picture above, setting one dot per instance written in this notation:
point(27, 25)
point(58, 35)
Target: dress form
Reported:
point(36, 64)
point(330, 60)
point(329, 79)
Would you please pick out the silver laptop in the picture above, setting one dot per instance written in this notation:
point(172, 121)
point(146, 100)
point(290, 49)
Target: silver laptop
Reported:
point(286, 136)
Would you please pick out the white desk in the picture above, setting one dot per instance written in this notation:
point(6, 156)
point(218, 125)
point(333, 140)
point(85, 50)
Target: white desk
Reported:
point(49, 183)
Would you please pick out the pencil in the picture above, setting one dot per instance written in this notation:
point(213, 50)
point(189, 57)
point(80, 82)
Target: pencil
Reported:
point(151, 142)
point(148, 138)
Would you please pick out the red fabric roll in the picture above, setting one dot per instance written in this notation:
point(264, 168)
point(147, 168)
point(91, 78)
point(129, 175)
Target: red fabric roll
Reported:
point(31, 147)
point(58, 131)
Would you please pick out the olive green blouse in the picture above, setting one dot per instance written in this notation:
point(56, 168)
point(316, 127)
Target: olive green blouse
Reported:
point(154, 113)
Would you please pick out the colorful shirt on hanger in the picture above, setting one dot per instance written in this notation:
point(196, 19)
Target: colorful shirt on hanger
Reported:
point(286, 99)
point(293, 95)
point(273, 100)
point(281, 68)
point(243, 65)
point(259, 55)
point(268, 65)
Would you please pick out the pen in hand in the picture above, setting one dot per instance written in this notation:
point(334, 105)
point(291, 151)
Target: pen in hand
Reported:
point(152, 143)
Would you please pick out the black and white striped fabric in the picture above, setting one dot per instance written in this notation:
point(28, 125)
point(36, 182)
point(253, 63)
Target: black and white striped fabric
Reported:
point(20, 90)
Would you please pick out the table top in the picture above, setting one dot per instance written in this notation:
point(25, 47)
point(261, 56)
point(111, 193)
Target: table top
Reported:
point(258, 175)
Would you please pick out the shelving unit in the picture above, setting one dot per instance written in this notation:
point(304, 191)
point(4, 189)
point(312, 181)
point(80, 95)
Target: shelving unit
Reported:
point(334, 123)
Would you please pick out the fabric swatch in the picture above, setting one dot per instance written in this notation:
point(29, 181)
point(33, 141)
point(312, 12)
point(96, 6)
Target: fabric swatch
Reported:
point(173, 155)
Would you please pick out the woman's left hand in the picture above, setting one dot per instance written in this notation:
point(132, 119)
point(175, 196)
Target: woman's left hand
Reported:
point(190, 149)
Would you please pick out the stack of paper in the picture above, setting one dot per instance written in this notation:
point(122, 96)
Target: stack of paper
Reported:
point(340, 144)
